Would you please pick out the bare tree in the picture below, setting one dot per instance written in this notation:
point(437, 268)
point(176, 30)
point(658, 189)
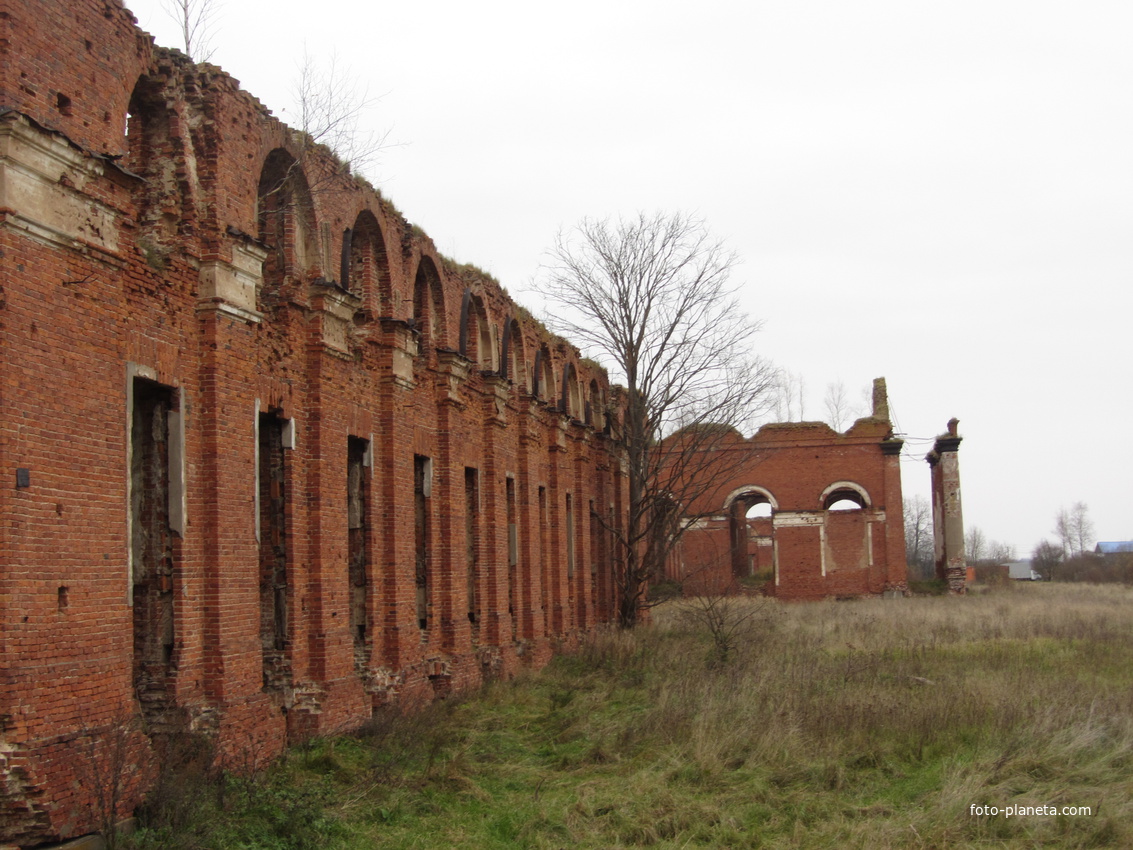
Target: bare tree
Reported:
point(731, 622)
point(1074, 529)
point(328, 150)
point(919, 535)
point(331, 106)
point(649, 297)
point(197, 20)
point(1081, 528)
point(975, 545)
point(1045, 559)
point(789, 401)
point(1062, 531)
point(837, 402)
point(999, 552)
point(107, 766)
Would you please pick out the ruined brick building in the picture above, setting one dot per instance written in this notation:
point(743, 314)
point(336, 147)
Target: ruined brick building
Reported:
point(803, 512)
point(272, 461)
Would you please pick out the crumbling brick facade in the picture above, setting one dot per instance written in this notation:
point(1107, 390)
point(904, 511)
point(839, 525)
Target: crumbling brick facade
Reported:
point(270, 459)
point(774, 523)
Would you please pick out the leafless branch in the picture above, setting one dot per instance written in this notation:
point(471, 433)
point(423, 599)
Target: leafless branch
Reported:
point(105, 767)
point(789, 402)
point(197, 20)
point(650, 298)
point(331, 106)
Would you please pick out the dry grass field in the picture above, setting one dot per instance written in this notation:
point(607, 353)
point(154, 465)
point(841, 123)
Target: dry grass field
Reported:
point(736, 723)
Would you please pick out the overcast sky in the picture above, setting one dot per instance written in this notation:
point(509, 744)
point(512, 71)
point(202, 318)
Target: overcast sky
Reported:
point(938, 193)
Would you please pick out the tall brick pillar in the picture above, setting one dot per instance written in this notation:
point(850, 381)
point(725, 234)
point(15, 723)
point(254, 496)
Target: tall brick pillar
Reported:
point(947, 511)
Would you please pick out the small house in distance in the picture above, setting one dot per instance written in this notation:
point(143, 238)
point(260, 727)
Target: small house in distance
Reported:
point(1119, 547)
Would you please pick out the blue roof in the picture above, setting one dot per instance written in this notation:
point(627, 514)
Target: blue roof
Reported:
point(1114, 548)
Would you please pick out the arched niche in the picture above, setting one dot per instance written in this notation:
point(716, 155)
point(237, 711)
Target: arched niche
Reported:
point(429, 305)
point(152, 152)
point(365, 268)
point(285, 218)
point(570, 398)
point(475, 332)
point(513, 364)
point(543, 383)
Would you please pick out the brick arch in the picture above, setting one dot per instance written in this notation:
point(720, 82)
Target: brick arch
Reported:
point(365, 268)
point(760, 494)
point(285, 219)
point(429, 304)
point(513, 363)
point(543, 381)
point(475, 331)
point(570, 399)
point(847, 490)
point(152, 148)
point(748, 560)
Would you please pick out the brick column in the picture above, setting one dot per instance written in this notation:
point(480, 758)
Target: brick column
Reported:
point(947, 511)
point(394, 567)
point(895, 572)
point(496, 630)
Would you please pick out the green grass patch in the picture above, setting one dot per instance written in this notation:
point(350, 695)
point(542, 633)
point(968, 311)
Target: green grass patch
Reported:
point(875, 723)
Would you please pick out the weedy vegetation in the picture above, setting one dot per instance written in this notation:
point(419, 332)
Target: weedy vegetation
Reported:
point(875, 723)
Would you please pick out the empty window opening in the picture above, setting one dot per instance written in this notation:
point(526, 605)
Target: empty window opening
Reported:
point(151, 547)
point(544, 572)
point(847, 497)
point(750, 516)
point(472, 543)
point(512, 556)
point(570, 537)
point(273, 553)
point(760, 510)
point(615, 563)
point(357, 497)
point(422, 485)
point(595, 557)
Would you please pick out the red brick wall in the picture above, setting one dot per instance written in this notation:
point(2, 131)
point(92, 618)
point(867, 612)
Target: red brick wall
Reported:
point(102, 267)
point(816, 552)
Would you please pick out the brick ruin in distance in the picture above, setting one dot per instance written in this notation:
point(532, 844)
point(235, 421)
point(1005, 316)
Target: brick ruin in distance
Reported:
point(273, 462)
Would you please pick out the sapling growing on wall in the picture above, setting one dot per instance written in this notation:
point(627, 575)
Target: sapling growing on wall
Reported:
point(197, 22)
